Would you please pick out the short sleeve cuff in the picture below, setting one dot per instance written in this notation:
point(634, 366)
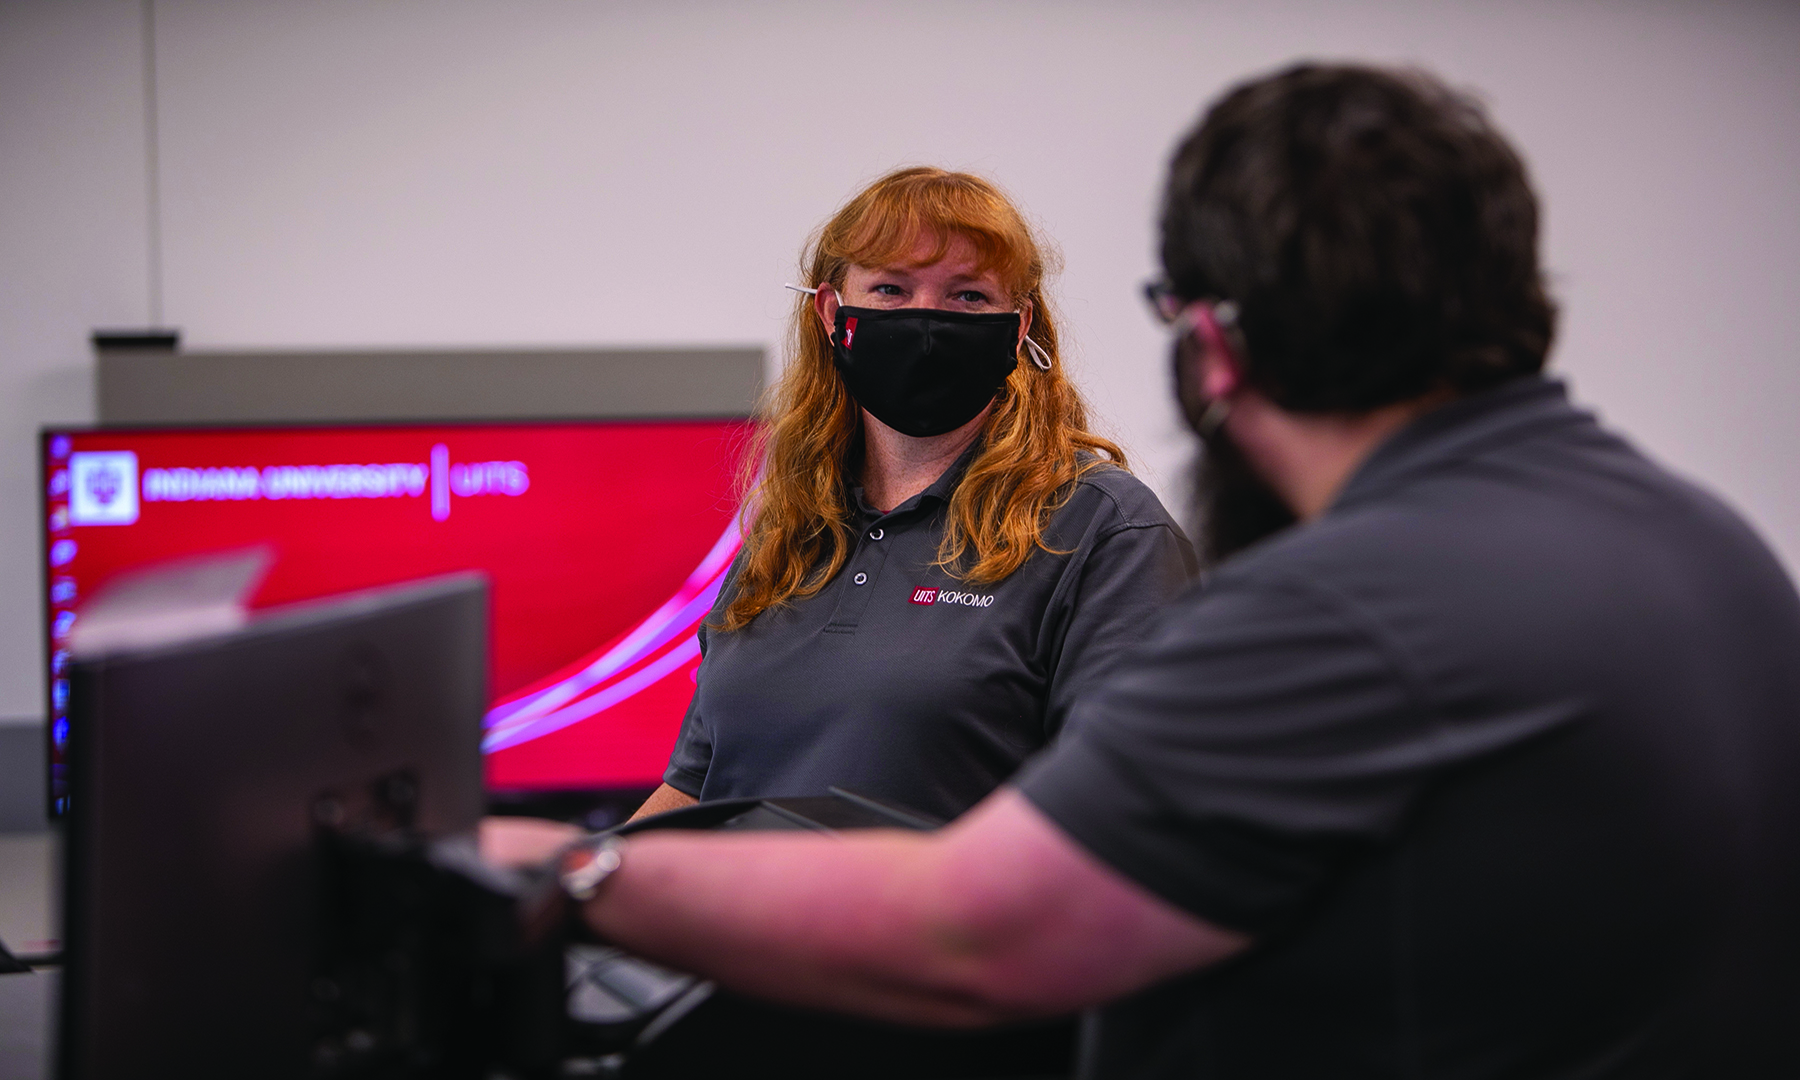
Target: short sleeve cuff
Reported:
point(685, 780)
point(1218, 871)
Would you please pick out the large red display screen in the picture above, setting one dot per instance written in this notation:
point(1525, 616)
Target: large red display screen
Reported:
point(604, 544)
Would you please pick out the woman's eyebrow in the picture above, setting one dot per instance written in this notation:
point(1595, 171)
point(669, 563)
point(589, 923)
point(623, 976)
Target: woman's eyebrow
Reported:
point(901, 272)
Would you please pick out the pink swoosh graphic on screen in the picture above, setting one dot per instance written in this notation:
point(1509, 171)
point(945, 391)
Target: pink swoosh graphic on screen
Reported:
point(660, 645)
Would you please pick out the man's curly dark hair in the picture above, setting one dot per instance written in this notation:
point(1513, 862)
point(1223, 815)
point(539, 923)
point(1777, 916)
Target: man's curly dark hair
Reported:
point(1377, 234)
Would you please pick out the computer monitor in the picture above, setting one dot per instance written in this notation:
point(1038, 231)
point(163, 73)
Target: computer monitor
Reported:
point(605, 543)
point(193, 898)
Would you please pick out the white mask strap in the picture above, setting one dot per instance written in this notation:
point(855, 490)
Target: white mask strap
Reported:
point(801, 288)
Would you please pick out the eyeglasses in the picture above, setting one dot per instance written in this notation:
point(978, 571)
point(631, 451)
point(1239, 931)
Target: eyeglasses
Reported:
point(1165, 303)
point(1168, 305)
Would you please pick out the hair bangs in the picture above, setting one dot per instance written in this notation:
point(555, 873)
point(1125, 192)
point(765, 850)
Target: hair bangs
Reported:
point(885, 225)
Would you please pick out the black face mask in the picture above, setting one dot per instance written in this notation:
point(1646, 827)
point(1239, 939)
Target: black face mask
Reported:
point(921, 371)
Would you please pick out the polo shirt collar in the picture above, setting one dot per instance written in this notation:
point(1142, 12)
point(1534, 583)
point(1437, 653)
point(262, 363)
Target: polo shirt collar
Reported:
point(940, 490)
point(1459, 429)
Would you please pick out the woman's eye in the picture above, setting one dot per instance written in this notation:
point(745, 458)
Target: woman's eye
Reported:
point(972, 296)
point(885, 289)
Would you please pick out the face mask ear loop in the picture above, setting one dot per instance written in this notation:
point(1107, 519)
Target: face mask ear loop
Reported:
point(1213, 418)
point(800, 288)
point(1038, 355)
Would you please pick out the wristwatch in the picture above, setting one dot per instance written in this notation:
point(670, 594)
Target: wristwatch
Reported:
point(597, 862)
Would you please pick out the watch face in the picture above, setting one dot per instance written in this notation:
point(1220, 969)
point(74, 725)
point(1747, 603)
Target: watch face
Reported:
point(583, 881)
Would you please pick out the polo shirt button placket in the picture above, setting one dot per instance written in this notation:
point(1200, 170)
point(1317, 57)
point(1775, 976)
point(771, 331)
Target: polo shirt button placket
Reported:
point(849, 611)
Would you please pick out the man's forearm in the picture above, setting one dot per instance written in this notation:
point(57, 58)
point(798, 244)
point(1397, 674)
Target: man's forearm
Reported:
point(996, 917)
point(662, 800)
point(808, 920)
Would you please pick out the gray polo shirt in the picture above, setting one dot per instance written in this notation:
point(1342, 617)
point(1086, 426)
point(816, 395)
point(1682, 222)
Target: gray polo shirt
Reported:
point(897, 680)
point(1499, 761)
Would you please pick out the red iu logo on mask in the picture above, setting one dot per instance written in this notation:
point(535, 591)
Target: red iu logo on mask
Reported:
point(924, 596)
point(849, 336)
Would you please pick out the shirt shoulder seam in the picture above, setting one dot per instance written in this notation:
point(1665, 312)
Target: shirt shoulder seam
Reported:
point(1125, 520)
point(1363, 622)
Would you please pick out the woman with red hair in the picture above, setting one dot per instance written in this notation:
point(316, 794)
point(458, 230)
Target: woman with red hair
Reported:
point(939, 555)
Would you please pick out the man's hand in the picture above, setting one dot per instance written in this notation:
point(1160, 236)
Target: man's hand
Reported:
point(524, 841)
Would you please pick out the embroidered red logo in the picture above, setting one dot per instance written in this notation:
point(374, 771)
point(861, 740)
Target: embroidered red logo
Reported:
point(924, 596)
point(849, 336)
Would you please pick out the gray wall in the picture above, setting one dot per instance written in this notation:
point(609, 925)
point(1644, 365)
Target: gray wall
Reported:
point(72, 256)
point(570, 173)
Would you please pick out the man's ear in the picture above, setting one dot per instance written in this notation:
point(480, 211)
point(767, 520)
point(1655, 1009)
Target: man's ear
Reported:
point(1221, 375)
point(825, 305)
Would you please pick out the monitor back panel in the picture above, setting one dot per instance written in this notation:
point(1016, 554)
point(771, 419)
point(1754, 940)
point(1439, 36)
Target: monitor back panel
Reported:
point(192, 899)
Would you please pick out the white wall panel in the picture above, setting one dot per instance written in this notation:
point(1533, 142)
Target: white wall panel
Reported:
point(72, 257)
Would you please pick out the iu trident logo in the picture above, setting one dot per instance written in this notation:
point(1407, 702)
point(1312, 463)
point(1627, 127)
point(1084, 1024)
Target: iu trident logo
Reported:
point(103, 487)
point(104, 483)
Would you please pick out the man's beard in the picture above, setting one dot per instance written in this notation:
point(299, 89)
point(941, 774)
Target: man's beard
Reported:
point(1233, 507)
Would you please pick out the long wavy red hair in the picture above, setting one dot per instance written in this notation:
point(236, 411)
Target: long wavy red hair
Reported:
point(1031, 448)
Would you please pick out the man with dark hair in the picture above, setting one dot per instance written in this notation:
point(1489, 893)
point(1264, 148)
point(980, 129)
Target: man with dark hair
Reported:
point(1475, 755)
point(1379, 242)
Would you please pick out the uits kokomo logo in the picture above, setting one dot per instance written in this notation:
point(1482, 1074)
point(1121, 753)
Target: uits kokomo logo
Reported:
point(951, 596)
